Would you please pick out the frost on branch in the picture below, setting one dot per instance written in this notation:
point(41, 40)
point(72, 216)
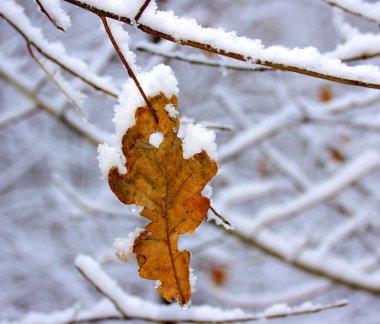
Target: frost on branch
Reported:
point(165, 175)
point(55, 13)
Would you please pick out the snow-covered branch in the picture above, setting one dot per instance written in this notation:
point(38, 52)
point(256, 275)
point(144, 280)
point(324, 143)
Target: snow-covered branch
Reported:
point(366, 10)
point(94, 136)
point(165, 24)
point(54, 12)
point(354, 171)
point(131, 307)
point(55, 52)
point(199, 59)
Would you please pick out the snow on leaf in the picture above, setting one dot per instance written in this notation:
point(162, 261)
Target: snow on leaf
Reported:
point(169, 188)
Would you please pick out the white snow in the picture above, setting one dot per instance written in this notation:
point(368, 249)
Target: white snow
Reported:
point(345, 29)
point(207, 191)
point(193, 280)
point(56, 50)
point(160, 79)
point(141, 308)
point(135, 307)
point(123, 246)
point(156, 139)
point(351, 173)
point(122, 39)
point(127, 8)
point(363, 8)
point(357, 46)
point(197, 139)
point(179, 28)
point(172, 111)
point(55, 11)
point(248, 191)
point(218, 221)
point(109, 157)
point(75, 96)
point(256, 133)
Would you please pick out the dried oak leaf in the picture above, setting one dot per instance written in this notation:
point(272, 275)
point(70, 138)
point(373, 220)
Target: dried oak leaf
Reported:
point(169, 188)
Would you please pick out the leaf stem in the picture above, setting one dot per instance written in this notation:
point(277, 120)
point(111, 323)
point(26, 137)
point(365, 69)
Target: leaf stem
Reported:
point(130, 71)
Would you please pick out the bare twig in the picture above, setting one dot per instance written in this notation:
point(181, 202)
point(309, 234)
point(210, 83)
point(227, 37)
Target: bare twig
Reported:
point(342, 123)
point(11, 120)
point(361, 57)
point(142, 9)
point(53, 21)
point(60, 64)
point(297, 263)
point(225, 221)
point(102, 292)
point(130, 71)
point(199, 61)
point(56, 83)
point(45, 107)
point(346, 8)
point(264, 317)
point(212, 49)
point(111, 291)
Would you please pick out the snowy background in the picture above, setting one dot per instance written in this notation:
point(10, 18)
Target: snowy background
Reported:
point(299, 159)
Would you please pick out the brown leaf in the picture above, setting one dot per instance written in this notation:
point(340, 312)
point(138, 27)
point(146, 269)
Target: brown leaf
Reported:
point(169, 188)
point(325, 94)
point(336, 155)
point(218, 275)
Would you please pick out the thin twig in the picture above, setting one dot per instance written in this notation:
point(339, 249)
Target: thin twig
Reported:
point(248, 319)
point(343, 123)
point(102, 292)
point(56, 83)
point(361, 57)
point(53, 21)
point(45, 106)
point(130, 71)
point(60, 64)
point(142, 9)
point(196, 61)
point(210, 48)
point(225, 221)
point(358, 14)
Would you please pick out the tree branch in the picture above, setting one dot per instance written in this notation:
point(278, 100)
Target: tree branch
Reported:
point(57, 61)
point(199, 61)
point(209, 47)
point(142, 9)
point(130, 71)
point(53, 21)
point(363, 13)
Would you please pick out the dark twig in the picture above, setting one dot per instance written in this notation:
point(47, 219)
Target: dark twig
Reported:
point(361, 57)
point(142, 9)
point(235, 55)
point(333, 4)
point(45, 107)
point(102, 292)
point(54, 60)
point(342, 123)
point(53, 21)
point(248, 319)
point(225, 221)
point(130, 71)
point(210, 63)
point(56, 83)
point(257, 317)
